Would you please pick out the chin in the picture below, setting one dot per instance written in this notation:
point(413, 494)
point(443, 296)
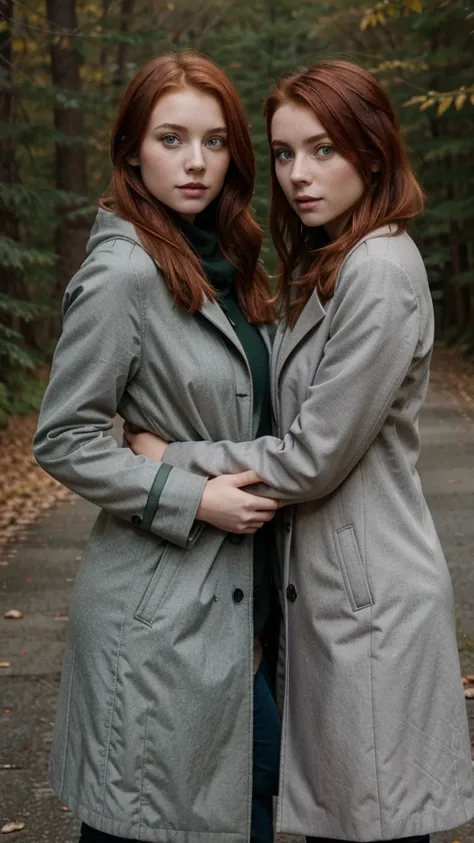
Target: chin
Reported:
point(192, 206)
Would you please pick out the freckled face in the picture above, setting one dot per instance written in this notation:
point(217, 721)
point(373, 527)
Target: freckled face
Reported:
point(321, 185)
point(184, 157)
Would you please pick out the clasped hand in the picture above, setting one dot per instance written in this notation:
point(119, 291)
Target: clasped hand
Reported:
point(223, 503)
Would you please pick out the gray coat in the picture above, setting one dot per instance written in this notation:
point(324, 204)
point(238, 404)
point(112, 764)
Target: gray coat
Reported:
point(153, 738)
point(375, 742)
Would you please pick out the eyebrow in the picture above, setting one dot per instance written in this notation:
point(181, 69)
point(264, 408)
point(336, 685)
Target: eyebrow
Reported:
point(312, 139)
point(177, 128)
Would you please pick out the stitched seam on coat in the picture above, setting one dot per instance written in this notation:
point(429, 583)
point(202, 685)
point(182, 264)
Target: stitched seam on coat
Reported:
point(432, 739)
point(114, 690)
point(66, 741)
point(142, 784)
point(430, 775)
point(373, 726)
point(284, 732)
point(142, 309)
point(154, 495)
point(143, 334)
point(251, 685)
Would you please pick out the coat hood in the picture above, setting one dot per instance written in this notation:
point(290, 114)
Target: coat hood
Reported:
point(108, 226)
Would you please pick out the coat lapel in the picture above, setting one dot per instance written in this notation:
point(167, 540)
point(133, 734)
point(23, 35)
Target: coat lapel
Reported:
point(214, 313)
point(312, 314)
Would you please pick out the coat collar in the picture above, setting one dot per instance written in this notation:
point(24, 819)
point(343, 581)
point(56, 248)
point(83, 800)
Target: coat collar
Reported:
point(314, 312)
point(212, 311)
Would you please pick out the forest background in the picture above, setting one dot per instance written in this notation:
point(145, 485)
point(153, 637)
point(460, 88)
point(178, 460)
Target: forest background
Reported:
point(65, 63)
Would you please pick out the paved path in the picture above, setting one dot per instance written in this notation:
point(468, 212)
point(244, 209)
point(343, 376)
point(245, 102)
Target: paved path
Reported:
point(38, 581)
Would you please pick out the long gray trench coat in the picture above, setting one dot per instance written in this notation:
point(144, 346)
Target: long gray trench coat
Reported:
point(154, 728)
point(375, 743)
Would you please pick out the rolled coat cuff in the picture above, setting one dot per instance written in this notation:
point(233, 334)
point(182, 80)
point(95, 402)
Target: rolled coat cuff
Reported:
point(172, 506)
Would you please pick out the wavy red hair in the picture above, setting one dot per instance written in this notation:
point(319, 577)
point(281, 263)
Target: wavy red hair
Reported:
point(239, 235)
point(360, 121)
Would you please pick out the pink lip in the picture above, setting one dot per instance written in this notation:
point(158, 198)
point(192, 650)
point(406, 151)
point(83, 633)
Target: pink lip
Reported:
point(307, 203)
point(193, 190)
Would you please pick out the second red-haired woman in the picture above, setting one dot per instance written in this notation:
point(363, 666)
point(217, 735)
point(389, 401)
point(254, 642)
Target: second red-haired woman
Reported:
point(162, 726)
point(375, 745)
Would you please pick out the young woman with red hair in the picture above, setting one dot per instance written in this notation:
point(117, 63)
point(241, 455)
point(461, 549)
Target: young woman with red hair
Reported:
point(375, 744)
point(163, 730)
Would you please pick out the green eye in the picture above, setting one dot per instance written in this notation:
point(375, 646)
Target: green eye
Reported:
point(325, 151)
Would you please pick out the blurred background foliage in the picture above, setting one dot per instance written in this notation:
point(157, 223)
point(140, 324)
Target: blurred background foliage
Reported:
point(64, 65)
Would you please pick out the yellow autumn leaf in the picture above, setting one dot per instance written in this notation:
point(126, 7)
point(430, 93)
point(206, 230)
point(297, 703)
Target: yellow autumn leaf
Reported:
point(444, 105)
point(414, 100)
point(459, 101)
point(3, 25)
point(414, 5)
point(426, 104)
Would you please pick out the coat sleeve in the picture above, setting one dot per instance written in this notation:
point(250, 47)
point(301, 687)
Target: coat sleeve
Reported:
point(373, 339)
point(97, 355)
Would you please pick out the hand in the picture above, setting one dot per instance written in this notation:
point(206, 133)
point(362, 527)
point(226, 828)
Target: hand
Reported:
point(147, 444)
point(227, 507)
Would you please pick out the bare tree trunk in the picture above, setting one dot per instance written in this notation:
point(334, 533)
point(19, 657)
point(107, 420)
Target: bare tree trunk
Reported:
point(12, 281)
point(126, 9)
point(71, 175)
point(103, 50)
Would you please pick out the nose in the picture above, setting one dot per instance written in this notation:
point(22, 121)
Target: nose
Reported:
point(195, 162)
point(300, 171)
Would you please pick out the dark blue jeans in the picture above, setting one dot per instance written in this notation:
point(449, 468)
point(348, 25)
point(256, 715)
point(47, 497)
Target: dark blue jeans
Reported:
point(266, 759)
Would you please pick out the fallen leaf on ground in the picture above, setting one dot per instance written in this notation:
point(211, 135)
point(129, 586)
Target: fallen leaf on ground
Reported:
point(64, 809)
point(469, 693)
point(9, 827)
point(26, 491)
point(5, 664)
point(470, 677)
point(13, 614)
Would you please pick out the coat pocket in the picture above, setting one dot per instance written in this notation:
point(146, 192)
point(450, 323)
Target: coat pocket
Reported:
point(352, 569)
point(160, 583)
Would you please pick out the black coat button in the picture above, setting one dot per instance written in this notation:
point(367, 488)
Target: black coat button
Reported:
point(291, 593)
point(238, 595)
point(235, 539)
point(136, 520)
point(287, 526)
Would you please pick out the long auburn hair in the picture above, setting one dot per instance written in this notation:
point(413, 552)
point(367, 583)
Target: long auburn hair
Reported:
point(239, 235)
point(360, 121)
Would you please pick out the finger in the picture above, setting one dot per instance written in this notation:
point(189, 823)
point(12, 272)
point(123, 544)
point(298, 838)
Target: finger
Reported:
point(128, 435)
point(255, 502)
point(266, 516)
point(245, 478)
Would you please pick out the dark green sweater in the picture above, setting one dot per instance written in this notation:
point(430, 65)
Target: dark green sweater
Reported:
point(221, 274)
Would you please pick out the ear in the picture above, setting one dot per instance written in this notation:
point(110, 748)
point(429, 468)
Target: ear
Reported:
point(133, 160)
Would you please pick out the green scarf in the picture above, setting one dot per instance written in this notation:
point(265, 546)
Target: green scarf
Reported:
point(219, 271)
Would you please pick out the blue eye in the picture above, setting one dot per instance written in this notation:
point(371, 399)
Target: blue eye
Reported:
point(216, 143)
point(168, 140)
point(283, 155)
